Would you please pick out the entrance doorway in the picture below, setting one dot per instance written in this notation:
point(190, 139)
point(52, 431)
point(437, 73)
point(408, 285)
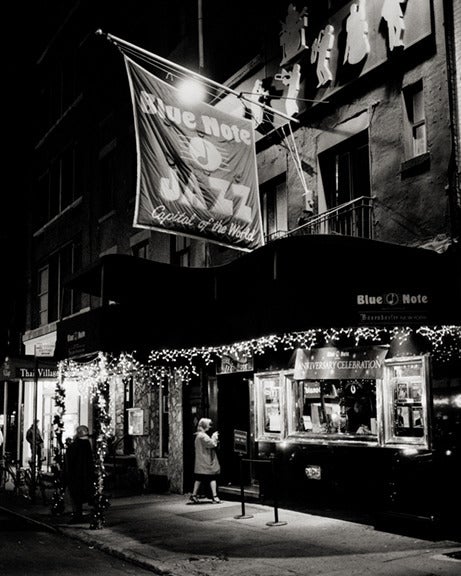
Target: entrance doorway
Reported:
point(11, 416)
point(233, 413)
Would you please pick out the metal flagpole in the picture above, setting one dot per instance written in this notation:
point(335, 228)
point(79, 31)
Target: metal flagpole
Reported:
point(156, 57)
point(201, 57)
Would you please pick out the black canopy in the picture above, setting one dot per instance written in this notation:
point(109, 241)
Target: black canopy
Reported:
point(292, 284)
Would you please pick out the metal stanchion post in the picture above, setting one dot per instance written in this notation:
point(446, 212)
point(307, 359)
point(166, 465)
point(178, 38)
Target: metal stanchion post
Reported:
point(242, 516)
point(276, 521)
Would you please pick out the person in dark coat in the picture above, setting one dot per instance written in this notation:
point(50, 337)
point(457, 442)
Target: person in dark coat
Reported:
point(35, 435)
point(79, 472)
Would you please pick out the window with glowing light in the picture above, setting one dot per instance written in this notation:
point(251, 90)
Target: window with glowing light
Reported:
point(341, 408)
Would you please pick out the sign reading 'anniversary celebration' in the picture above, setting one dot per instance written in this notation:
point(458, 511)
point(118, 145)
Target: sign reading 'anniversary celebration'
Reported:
point(196, 167)
point(334, 363)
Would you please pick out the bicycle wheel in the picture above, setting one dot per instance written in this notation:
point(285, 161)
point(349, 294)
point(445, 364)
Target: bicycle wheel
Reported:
point(24, 480)
point(3, 474)
point(10, 479)
point(41, 486)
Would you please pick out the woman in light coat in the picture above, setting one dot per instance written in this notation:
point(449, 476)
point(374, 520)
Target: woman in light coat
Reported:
point(206, 467)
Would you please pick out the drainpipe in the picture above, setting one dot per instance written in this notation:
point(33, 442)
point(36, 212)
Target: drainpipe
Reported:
point(451, 21)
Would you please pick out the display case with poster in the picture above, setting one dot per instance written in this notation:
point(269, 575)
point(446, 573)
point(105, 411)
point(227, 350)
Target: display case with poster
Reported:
point(405, 401)
point(270, 401)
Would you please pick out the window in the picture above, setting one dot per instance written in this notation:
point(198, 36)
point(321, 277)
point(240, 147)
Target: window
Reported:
point(141, 250)
point(70, 261)
point(333, 407)
point(274, 208)
point(107, 179)
point(405, 401)
point(69, 80)
point(270, 402)
point(61, 85)
point(414, 121)
point(43, 199)
point(345, 177)
point(43, 274)
point(54, 299)
point(345, 170)
point(67, 177)
point(180, 250)
point(57, 188)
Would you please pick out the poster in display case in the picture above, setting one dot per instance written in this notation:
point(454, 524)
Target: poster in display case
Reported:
point(270, 403)
point(405, 394)
point(137, 425)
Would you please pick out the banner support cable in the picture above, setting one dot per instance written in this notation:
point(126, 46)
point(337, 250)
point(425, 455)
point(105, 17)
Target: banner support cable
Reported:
point(156, 58)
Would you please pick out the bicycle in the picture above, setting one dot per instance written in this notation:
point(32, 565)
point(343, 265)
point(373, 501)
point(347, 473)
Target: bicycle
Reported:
point(12, 476)
point(19, 480)
point(39, 483)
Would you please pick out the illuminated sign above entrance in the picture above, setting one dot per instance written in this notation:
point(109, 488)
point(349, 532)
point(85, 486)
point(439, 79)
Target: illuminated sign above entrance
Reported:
point(333, 363)
point(393, 307)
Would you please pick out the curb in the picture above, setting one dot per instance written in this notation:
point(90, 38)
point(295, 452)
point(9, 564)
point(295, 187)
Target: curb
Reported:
point(87, 539)
point(30, 520)
point(121, 554)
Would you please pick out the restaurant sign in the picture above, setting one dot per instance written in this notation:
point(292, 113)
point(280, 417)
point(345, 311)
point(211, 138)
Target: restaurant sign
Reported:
point(25, 367)
point(231, 363)
point(334, 363)
point(392, 307)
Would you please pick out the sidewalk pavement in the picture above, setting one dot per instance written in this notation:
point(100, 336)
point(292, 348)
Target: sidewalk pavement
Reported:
point(166, 535)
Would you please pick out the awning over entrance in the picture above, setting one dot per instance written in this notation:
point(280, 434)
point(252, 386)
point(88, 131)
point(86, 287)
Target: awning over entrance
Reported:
point(20, 367)
point(293, 284)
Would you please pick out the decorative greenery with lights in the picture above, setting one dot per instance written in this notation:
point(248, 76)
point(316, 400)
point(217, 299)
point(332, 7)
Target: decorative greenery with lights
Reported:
point(102, 433)
point(57, 499)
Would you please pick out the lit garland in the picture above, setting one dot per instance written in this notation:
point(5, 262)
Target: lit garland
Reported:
point(92, 379)
point(57, 500)
point(102, 432)
point(445, 342)
point(156, 374)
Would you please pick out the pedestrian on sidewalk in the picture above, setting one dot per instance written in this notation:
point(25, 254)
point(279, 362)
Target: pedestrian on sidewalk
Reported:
point(79, 472)
point(206, 466)
point(36, 436)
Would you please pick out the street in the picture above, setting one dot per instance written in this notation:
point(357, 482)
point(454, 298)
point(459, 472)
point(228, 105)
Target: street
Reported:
point(29, 550)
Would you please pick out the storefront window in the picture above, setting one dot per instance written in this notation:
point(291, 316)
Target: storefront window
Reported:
point(333, 407)
point(270, 403)
point(405, 401)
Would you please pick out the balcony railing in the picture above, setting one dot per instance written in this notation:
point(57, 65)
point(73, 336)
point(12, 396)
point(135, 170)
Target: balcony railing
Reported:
point(354, 218)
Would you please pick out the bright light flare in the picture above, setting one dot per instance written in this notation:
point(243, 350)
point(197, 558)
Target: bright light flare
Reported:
point(409, 451)
point(191, 91)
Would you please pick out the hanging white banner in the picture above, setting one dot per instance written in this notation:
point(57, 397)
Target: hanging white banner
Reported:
point(197, 171)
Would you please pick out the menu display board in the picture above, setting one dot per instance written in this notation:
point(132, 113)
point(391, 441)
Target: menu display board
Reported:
point(405, 401)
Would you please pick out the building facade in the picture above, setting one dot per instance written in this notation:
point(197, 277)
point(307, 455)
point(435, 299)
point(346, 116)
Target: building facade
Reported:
point(353, 300)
